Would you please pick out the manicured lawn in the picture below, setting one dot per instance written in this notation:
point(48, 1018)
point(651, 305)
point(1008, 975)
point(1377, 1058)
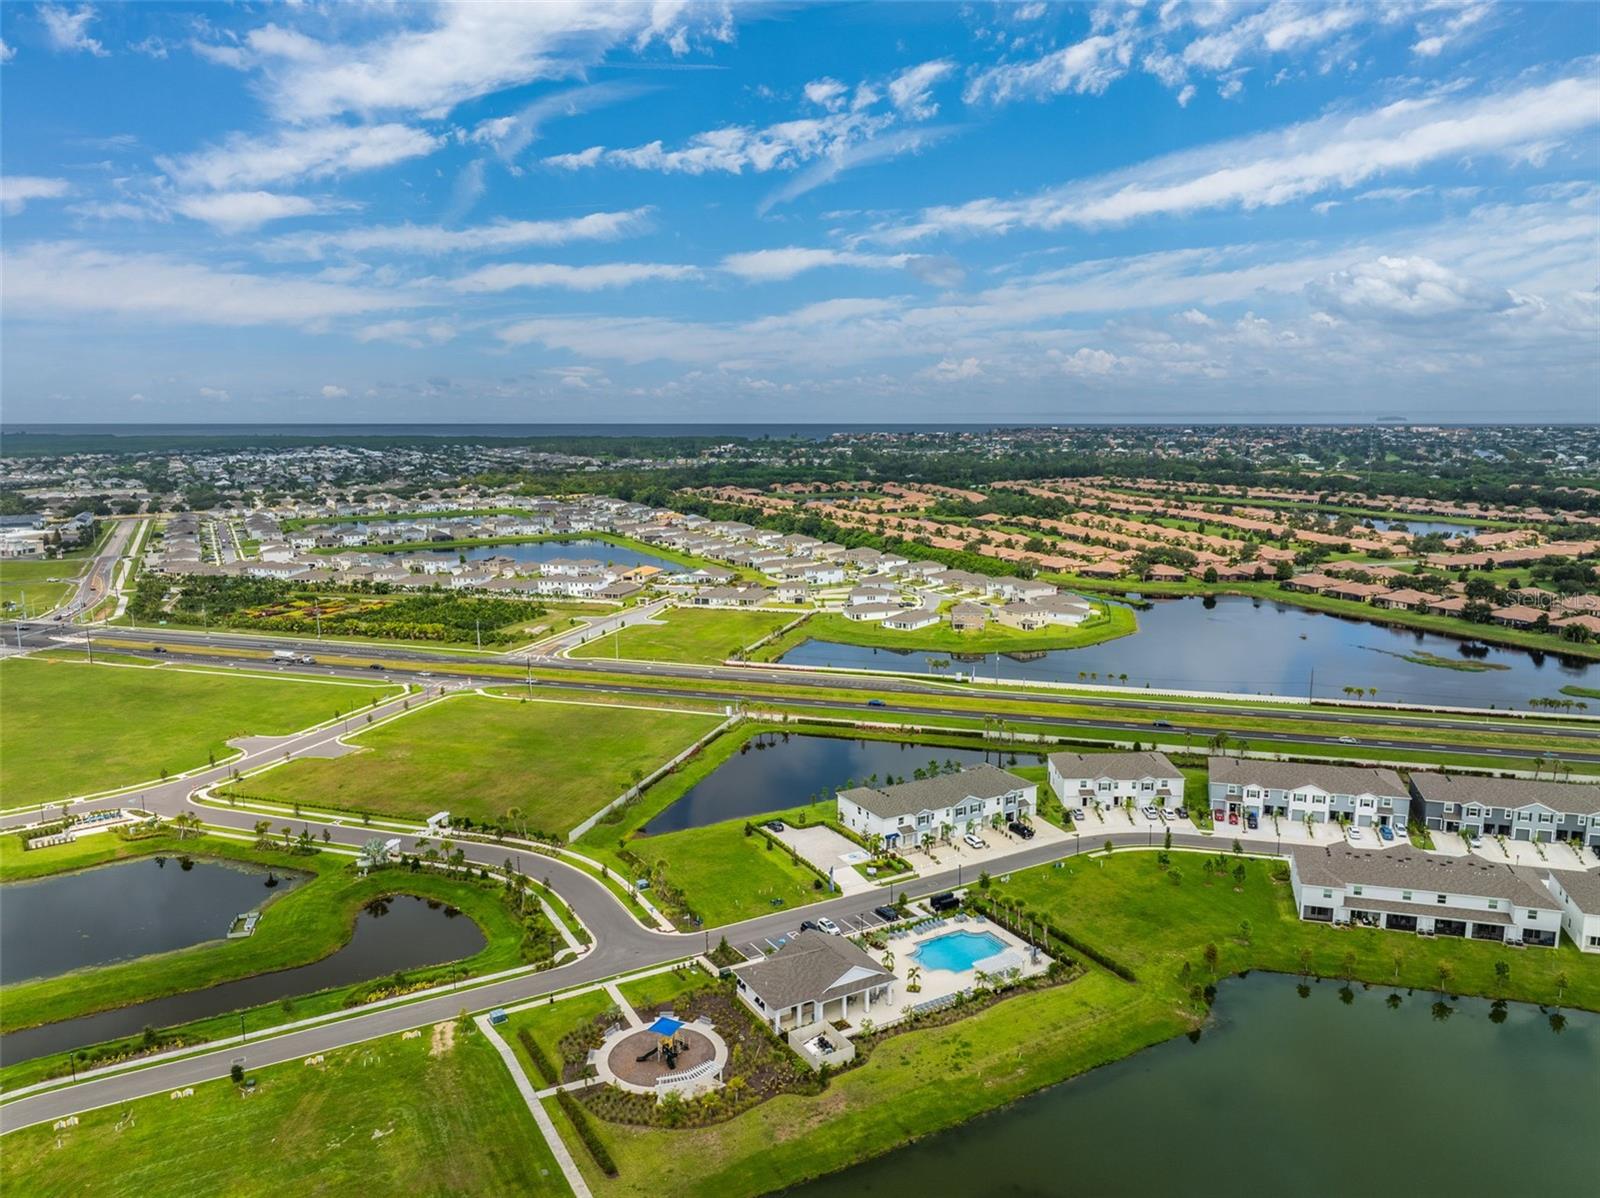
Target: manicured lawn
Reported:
point(725, 875)
point(388, 1117)
point(689, 635)
point(548, 1023)
point(663, 989)
point(544, 765)
point(305, 924)
point(72, 728)
point(40, 583)
point(1116, 621)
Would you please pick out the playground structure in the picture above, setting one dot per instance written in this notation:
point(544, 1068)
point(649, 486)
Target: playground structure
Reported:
point(667, 1054)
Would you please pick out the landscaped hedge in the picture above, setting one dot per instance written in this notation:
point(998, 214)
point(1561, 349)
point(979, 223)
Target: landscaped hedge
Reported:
point(586, 1132)
point(541, 1062)
point(996, 912)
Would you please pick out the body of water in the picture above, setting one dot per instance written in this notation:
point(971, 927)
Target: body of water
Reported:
point(779, 770)
point(1291, 1095)
point(400, 933)
point(1245, 645)
point(1422, 527)
point(116, 912)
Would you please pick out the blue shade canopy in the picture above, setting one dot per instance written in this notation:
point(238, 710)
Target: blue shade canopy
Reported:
point(665, 1026)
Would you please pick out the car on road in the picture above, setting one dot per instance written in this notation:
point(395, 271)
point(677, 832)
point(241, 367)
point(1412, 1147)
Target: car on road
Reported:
point(1385, 831)
point(1018, 828)
point(827, 925)
point(1251, 822)
point(375, 666)
point(887, 914)
point(1160, 724)
point(1149, 812)
point(1355, 834)
point(973, 841)
point(1347, 740)
point(876, 703)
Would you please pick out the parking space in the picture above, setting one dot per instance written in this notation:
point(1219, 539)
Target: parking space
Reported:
point(996, 844)
point(847, 926)
point(830, 852)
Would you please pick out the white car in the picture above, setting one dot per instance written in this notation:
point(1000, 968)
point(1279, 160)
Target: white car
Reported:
point(1355, 834)
point(827, 925)
point(1475, 842)
point(974, 841)
point(1149, 812)
point(1347, 740)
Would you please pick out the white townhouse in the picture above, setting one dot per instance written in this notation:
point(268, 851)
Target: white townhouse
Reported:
point(1110, 779)
point(909, 619)
point(1578, 892)
point(1299, 791)
point(1408, 890)
point(912, 813)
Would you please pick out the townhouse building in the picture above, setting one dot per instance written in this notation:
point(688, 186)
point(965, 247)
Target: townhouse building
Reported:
point(1517, 808)
point(1080, 780)
point(912, 813)
point(1578, 892)
point(1301, 790)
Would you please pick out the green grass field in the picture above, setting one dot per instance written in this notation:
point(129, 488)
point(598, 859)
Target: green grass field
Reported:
point(545, 765)
point(72, 729)
point(724, 874)
point(688, 635)
point(388, 1117)
point(40, 583)
point(941, 638)
point(548, 1023)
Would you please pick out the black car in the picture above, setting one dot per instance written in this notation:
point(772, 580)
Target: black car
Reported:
point(157, 649)
point(1020, 829)
point(1160, 724)
point(809, 925)
point(1250, 821)
point(774, 825)
point(375, 666)
point(887, 914)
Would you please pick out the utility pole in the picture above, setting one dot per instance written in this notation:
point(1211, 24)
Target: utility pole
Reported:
point(1312, 684)
point(477, 631)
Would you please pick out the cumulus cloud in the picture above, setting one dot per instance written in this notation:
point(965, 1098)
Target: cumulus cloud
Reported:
point(330, 391)
point(1087, 67)
point(950, 370)
point(411, 333)
point(1411, 288)
point(17, 190)
point(235, 211)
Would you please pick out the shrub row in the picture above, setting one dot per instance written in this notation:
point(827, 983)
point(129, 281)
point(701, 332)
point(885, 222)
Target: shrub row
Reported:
point(995, 912)
point(541, 1062)
point(586, 1132)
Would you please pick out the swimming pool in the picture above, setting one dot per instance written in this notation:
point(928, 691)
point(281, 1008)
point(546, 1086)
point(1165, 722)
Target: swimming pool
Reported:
point(956, 952)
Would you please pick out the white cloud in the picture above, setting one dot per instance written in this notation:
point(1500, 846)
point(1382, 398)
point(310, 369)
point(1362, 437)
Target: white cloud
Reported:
point(465, 51)
point(1413, 288)
point(949, 370)
point(1086, 361)
point(508, 276)
point(68, 31)
point(765, 266)
point(218, 393)
point(330, 391)
point(412, 333)
point(66, 277)
point(17, 190)
point(1336, 152)
point(1083, 68)
point(911, 91)
point(827, 93)
point(291, 154)
point(510, 135)
point(1440, 31)
point(7, 51)
point(235, 211)
point(494, 237)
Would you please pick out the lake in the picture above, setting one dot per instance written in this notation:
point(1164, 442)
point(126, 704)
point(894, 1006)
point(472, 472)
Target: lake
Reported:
point(1241, 644)
point(1421, 528)
point(1288, 1095)
point(403, 932)
point(779, 770)
point(97, 916)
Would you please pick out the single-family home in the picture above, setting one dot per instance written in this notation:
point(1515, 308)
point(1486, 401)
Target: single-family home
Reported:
point(1110, 779)
point(909, 619)
point(967, 616)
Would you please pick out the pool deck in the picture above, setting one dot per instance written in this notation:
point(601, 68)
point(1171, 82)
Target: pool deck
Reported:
point(939, 984)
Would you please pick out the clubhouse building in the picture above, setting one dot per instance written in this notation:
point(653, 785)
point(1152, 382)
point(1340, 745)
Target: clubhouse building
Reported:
point(815, 978)
point(908, 814)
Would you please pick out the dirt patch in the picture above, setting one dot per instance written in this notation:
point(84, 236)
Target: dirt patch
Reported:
point(443, 1038)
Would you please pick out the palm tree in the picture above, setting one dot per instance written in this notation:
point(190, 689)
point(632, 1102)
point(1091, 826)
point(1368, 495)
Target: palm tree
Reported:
point(914, 979)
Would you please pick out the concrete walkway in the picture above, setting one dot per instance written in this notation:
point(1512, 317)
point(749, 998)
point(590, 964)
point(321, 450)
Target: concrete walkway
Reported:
point(558, 1147)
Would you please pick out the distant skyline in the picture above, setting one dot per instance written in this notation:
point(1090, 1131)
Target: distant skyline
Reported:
point(896, 214)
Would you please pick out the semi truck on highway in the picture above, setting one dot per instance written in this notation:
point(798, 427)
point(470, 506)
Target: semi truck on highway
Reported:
point(304, 659)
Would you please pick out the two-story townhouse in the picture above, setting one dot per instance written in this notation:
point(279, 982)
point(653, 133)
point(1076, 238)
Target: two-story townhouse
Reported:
point(1294, 790)
point(927, 809)
point(1111, 779)
point(1407, 890)
point(1518, 808)
point(1578, 892)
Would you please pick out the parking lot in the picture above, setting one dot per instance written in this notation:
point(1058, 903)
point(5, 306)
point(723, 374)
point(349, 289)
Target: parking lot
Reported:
point(851, 926)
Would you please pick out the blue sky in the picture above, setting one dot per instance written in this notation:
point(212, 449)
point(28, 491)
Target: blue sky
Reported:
point(854, 212)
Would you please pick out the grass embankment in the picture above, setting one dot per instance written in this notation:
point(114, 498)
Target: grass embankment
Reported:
point(433, 1115)
point(1521, 638)
point(40, 584)
point(1126, 907)
point(545, 766)
point(71, 728)
point(311, 921)
point(688, 635)
point(1116, 621)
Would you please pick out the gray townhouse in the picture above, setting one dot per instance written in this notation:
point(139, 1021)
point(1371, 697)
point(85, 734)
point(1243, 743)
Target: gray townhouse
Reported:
point(1407, 890)
point(1301, 790)
point(1516, 808)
